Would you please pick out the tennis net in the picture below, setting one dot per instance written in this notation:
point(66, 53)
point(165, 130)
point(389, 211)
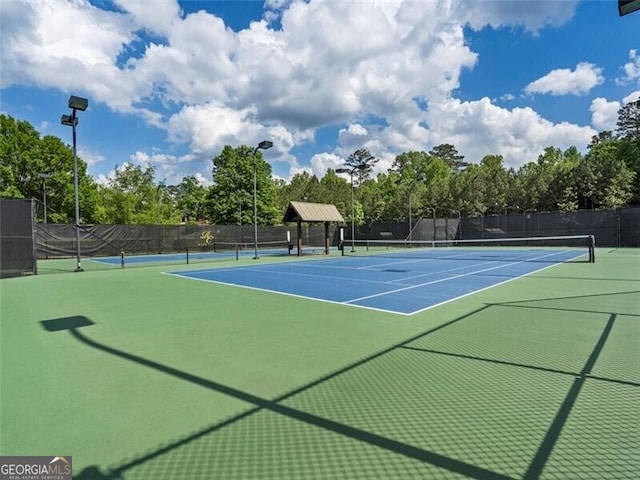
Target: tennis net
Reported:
point(529, 249)
point(264, 248)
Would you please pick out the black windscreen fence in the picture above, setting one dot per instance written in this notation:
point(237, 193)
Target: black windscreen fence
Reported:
point(17, 246)
point(56, 240)
point(611, 228)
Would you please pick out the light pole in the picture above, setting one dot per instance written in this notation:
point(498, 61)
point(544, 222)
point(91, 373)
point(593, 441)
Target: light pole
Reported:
point(75, 104)
point(433, 210)
point(353, 208)
point(419, 178)
point(459, 221)
point(410, 219)
point(264, 145)
point(44, 177)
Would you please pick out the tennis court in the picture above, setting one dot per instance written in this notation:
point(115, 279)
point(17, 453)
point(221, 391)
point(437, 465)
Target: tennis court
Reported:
point(140, 375)
point(404, 281)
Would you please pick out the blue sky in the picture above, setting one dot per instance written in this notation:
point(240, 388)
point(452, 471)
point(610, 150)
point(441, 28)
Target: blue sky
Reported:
point(171, 82)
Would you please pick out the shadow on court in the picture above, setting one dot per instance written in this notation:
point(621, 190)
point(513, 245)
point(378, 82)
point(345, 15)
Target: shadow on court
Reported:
point(500, 392)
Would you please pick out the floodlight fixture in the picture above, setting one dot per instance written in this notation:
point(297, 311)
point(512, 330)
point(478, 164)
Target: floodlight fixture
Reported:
point(69, 120)
point(78, 103)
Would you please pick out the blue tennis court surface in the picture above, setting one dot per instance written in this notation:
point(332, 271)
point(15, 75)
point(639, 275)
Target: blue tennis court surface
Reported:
point(404, 284)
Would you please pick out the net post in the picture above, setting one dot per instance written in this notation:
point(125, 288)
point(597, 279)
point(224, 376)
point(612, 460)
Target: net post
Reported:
point(592, 249)
point(237, 252)
point(187, 249)
point(122, 258)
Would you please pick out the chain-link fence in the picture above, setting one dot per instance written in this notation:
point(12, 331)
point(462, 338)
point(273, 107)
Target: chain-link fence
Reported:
point(22, 241)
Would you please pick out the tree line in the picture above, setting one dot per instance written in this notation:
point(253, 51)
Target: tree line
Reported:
point(439, 182)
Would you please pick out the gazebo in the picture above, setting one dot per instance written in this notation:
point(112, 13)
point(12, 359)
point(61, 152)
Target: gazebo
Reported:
point(313, 213)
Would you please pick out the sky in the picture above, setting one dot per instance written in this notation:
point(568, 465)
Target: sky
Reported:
point(170, 82)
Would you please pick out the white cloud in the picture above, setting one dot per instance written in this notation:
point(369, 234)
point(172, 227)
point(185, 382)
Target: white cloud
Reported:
point(173, 168)
point(321, 162)
point(65, 45)
point(480, 128)
point(631, 69)
point(564, 81)
point(165, 14)
point(531, 15)
point(604, 114)
point(209, 86)
point(90, 157)
point(632, 97)
point(109, 177)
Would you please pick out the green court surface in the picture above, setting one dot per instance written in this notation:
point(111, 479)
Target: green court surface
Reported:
point(140, 375)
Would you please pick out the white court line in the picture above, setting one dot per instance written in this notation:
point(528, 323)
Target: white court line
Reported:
point(186, 275)
point(331, 277)
point(491, 286)
point(442, 271)
point(397, 281)
point(413, 260)
point(295, 295)
point(451, 278)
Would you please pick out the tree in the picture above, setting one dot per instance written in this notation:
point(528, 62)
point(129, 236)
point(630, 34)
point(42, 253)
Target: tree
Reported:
point(629, 147)
point(423, 180)
point(24, 156)
point(604, 179)
point(335, 190)
point(549, 184)
point(232, 190)
point(497, 182)
point(467, 188)
point(629, 121)
point(303, 187)
point(132, 197)
point(450, 155)
point(190, 201)
point(600, 137)
point(362, 161)
point(629, 153)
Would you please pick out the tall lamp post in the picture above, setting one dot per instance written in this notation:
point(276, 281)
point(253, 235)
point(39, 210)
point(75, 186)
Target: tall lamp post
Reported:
point(263, 145)
point(44, 177)
point(75, 104)
point(350, 171)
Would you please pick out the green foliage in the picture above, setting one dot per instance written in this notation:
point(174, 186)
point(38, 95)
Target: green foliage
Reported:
point(132, 196)
point(230, 200)
point(450, 156)
point(361, 162)
point(608, 176)
point(25, 156)
point(629, 121)
point(605, 179)
point(190, 198)
point(629, 153)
